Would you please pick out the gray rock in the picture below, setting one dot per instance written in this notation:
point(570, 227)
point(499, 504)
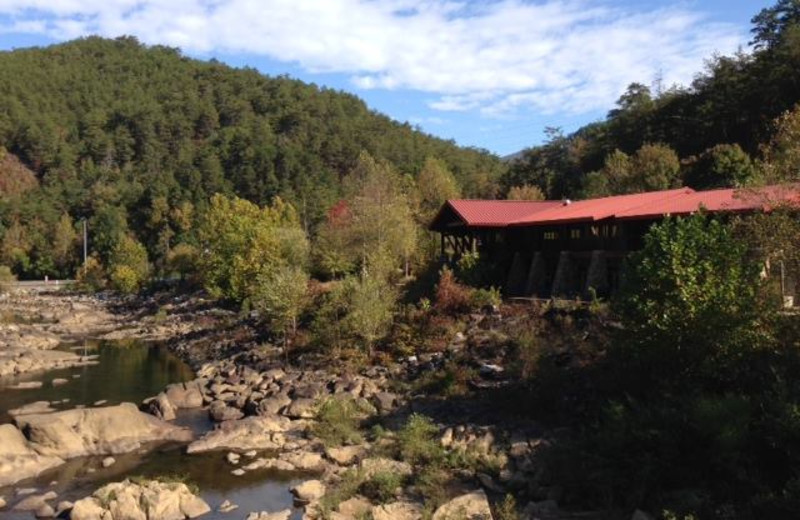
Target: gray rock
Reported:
point(97, 431)
point(309, 491)
point(18, 459)
point(384, 401)
point(250, 433)
point(301, 408)
point(398, 511)
point(263, 515)
point(472, 506)
point(219, 411)
point(161, 407)
point(185, 395)
point(227, 507)
point(273, 405)
point(45, 511)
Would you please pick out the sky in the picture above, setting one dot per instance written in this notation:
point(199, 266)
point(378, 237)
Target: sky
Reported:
point(490, 74)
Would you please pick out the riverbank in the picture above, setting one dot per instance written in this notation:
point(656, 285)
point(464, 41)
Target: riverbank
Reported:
point(414, 437)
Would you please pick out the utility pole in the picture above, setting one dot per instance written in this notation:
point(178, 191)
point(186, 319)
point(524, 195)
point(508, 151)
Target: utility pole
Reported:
point(85, 244)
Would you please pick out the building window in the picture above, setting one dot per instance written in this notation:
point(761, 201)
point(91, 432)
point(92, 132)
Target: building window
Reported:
point(575, 234)
point(550, 235)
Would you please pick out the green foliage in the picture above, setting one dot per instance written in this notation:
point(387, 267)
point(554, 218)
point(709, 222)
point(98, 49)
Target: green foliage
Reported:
point(338, 421)
point(182, 261)
point(507, 509)
point(695, 402)
point(243, 243)
point(525, 192)
point(693, 292)
point(451, 296)
point(128, 265)
point(137, 139)
point(482, 298)
point(723, 165)
point(382, 486)
point(371, 304)
point(92, 276)
point(732, 102)
point(782, 154)
point(418, 442)
point(6, 277)
point(280, 295)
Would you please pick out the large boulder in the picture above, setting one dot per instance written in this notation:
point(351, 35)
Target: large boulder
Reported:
point(18, 460)
point(273, 405)
point(471, 506)
point(219, 411)
point(301, 408)
point(309, 491)
point(397, 511)
point(96, 431)
point(251, 433)
point(151, 500)
point(186, 395)
point(160, 406)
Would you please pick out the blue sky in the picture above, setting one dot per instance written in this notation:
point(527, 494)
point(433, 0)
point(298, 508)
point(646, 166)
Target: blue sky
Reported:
point(491, 74)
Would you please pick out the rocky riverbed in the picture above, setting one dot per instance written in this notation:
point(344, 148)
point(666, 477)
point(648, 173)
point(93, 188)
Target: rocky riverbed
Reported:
point(257, 447)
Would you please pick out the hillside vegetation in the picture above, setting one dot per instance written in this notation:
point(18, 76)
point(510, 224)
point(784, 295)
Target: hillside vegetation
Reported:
point(126, 135)
point(709, 134)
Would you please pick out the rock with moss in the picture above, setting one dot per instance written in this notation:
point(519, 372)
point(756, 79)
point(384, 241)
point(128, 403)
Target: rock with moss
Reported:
point(147, 500)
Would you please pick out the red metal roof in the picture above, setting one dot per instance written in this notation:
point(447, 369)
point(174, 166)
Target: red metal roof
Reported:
point(655, 204)
point(723, 200)
point(497, 213)
point(599, 209)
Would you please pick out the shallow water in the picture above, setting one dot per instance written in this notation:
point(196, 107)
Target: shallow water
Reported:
point(132, 371)
point(127, 371)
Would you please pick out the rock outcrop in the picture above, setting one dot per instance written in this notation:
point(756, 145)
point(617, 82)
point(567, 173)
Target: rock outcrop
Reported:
point(471, 506)
point(18, 460)
point(96, 431)
point(251, 433)
point(152, 500)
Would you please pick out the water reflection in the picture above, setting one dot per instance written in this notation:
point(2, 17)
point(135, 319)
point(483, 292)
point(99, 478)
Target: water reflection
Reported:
point(130, 371)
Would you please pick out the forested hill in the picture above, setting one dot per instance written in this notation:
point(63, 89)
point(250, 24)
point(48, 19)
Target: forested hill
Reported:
point(115, 128)
point(708, 134)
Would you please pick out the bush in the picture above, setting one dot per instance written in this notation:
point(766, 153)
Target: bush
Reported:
point(125, 280)
point(482, 298)
point(382, 486)
point(338, 421)
point(92, 276)
point(6, 278)
point(451, 296)
point(418, 442)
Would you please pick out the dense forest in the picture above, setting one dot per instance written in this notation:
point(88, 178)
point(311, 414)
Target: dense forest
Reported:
point(135, 140)
point(704, 135)
point(139, 138)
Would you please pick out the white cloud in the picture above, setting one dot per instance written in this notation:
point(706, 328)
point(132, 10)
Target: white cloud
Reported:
point(498, 57)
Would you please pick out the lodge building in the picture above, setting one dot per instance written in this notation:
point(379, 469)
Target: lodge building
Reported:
point(576, 248)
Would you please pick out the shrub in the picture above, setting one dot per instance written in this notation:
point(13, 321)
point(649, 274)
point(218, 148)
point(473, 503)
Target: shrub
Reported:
point(451, 297)
point(338, 421)
point(507, 509)
point(382, 486)
point(418, 442)
point(92, 276)
point(6, 278)
point(482, 298)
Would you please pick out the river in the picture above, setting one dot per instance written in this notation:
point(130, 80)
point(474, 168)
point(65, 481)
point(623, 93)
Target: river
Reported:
point(132, 371)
